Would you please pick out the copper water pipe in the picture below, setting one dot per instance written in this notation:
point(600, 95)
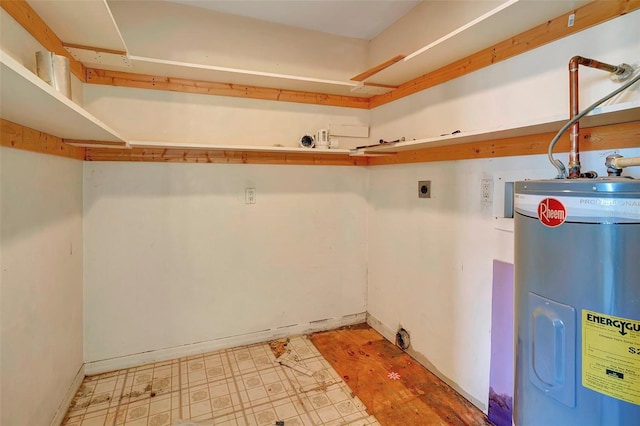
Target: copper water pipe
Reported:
point(574, 134)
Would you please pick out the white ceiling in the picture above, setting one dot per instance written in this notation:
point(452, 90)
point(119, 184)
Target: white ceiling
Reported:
point(363, 19)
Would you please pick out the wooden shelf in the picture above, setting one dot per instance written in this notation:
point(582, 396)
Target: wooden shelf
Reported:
point(27, 100)
point(164, 152)
point(504, 21)
point(508, 19)
point(87, 23)
point(601, 116)
point(93, 38)
point(236, 148)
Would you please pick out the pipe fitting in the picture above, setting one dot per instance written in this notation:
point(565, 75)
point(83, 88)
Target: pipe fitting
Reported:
point(622, 73)
point(612, 168)
point(615, 163)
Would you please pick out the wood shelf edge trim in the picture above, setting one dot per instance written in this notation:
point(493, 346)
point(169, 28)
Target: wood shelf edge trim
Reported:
point(613, 136)
point(89, 143)
point(94, 49)
point(385, 86)
point(16, 136)
point(24, 14)
point(587, 16)
point(221, 156)
point(376, 69)
point(172, 84)
point(247, 148)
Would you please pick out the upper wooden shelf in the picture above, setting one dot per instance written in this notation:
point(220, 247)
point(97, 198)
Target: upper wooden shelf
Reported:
point(27, 100)
point(163, 57)
point(601, 116)
point(257, 148)
point(93, 38)
point(507, 19)
point(86, 23)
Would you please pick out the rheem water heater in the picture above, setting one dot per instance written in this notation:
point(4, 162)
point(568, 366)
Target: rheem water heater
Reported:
point(577, 276)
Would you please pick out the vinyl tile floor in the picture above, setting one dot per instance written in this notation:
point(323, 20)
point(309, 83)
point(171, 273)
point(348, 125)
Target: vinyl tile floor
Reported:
point(239, 386)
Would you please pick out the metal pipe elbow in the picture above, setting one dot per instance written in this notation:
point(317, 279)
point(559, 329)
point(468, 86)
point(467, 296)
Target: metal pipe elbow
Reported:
point(612, 167)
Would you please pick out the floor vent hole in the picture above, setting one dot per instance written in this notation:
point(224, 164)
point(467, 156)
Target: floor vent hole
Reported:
point(402, 339)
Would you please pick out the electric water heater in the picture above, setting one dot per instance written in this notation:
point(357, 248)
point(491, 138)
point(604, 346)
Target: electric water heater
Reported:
point(577, 278)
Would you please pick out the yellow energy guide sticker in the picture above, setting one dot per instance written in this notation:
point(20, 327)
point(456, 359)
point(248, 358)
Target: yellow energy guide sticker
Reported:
point(611, 355)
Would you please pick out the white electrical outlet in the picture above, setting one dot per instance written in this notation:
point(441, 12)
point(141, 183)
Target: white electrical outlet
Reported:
point(486, 191)
point(571, 20)
point(250, 196)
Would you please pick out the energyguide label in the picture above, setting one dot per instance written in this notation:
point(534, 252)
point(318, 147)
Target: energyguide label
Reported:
point(611, 355)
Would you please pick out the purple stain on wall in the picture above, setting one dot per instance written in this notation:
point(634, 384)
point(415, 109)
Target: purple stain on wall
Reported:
point(501, 374)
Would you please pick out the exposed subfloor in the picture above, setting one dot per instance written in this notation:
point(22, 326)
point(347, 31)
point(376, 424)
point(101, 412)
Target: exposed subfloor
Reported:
point(351, 376)
point(393, 387)
point(240, 386)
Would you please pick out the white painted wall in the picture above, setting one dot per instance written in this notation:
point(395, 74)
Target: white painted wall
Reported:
point(41, 283)
point(17, 42)
point(174, 256)
point(216, 120)
point(430, 261)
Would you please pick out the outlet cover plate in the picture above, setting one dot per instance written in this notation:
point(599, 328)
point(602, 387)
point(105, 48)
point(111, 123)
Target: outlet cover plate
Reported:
point(486, 191)
point(250, 196)
point(424, 189)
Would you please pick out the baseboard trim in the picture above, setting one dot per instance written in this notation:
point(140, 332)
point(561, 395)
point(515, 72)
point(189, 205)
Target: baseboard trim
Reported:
point(68, 397)
point(390, 335)
point(378, 326)
point(103, 366)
